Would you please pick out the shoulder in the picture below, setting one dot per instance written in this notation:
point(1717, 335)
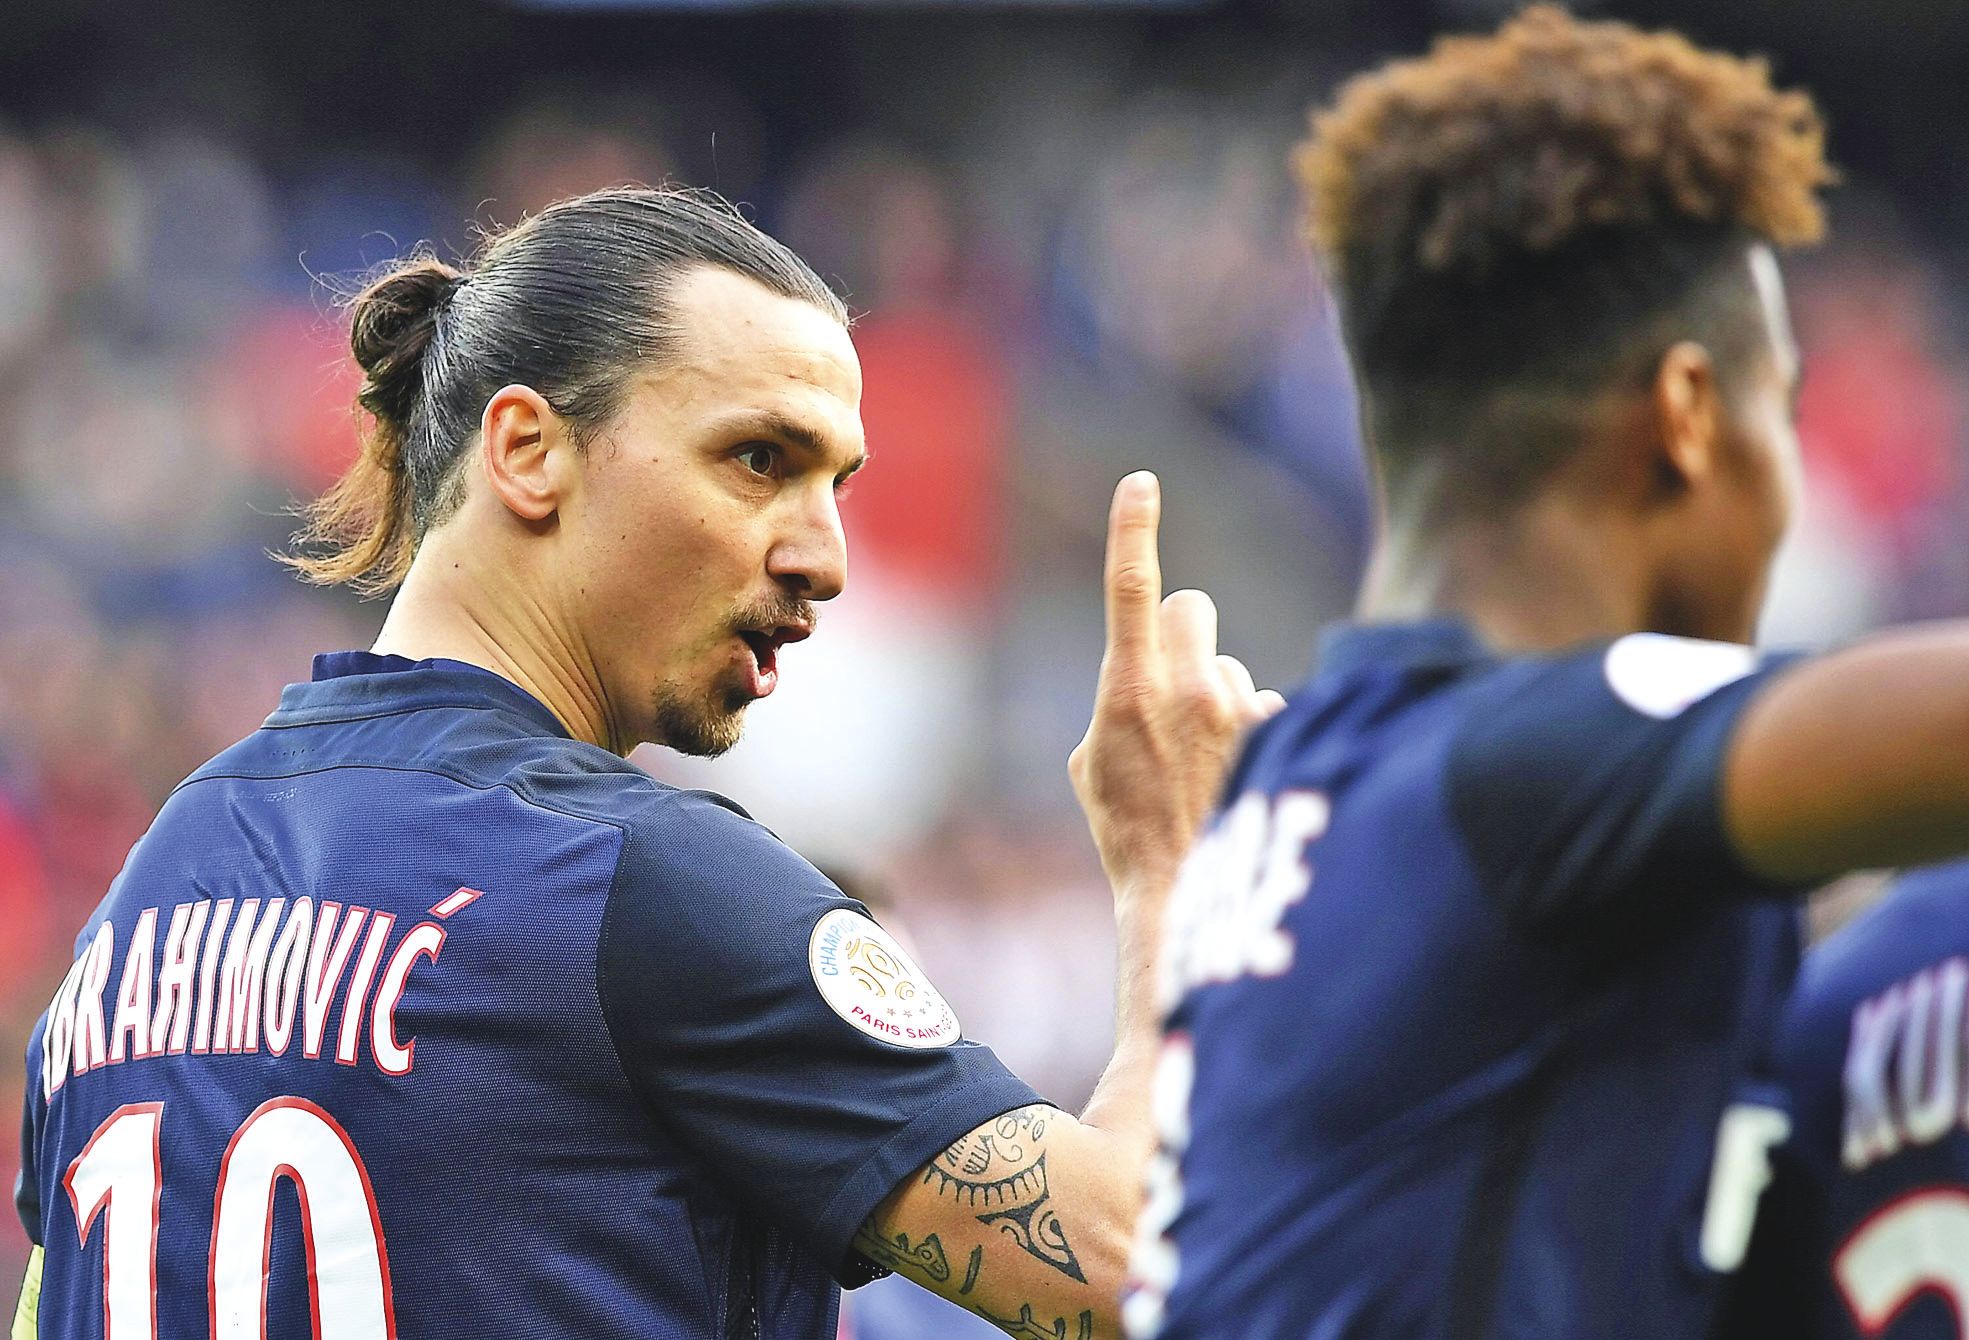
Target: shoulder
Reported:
point(1375, 713)
point(1642, 676)
point(1580, 778)
point(476, 750)
point(1922, 922)
point(682, 851)
point(704, 887)
point(1861, 989)
point(584, 782)
point(1538, 718)
point(591, 783)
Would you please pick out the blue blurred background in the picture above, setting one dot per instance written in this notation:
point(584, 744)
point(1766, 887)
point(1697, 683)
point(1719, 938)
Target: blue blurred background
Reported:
point(1069, 233)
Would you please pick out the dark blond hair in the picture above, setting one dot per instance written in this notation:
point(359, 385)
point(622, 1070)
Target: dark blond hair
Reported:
point(570, 302)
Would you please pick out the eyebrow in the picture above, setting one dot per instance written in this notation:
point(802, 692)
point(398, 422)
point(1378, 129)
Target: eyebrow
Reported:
point(767, 423)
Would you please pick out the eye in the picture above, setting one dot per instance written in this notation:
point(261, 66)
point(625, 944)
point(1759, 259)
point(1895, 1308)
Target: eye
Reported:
point(761, 458)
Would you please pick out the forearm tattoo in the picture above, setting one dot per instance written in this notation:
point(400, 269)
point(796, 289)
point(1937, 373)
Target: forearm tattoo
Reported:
point(1024, 1327)
point(1000, 1173)
point(893, 1252)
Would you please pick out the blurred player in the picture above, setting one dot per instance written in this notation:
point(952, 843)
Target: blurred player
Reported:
point(420, 1012)
point(1864, 1231)
point(1465, 976)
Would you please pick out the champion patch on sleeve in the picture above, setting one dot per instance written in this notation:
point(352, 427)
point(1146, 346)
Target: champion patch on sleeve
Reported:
point(867, 979)
point(1662, 676)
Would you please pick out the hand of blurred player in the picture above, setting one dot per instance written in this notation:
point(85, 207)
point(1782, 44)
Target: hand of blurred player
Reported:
point(1169, 713)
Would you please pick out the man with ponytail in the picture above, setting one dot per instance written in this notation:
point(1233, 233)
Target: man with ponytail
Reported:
point(420, 1012)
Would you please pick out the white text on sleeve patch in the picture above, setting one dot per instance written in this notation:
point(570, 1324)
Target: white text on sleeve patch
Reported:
point(1661, 676)
point(867, 979)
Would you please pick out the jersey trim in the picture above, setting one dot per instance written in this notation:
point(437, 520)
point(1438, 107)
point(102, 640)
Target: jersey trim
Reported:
point(969, 1105)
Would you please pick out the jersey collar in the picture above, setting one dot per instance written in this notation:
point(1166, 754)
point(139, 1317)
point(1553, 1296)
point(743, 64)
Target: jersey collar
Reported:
point(1445, 642)
point(349, 685)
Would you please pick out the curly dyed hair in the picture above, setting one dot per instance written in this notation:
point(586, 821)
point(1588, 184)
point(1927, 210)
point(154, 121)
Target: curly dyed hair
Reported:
point(1525, 218)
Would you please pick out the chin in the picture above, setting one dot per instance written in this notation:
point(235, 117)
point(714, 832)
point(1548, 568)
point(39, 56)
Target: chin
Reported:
point(701, 730)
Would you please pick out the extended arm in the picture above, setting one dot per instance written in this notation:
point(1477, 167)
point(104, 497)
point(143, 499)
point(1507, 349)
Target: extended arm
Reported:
point(1027, 1220)
point(1857, 759)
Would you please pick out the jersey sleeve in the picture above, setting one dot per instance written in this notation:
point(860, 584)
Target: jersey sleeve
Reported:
point(27, 1186)
point(777, 1031)
point(1588, 787)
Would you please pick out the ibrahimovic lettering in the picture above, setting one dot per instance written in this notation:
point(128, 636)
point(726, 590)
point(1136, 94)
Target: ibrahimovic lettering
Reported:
point(234, 977)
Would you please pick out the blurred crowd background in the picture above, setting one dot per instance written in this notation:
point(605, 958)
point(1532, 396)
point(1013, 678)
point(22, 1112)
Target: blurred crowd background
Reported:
point(1070, 237)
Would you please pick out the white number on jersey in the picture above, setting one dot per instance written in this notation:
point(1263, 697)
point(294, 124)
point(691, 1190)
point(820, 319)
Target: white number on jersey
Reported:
point(119, 1176)
point(123, 1155)
point(1917, 1244)
point(1745, 1138)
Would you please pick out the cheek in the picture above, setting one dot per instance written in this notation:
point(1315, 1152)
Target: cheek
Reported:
point(632, 576)
point(1770, 476)
point(1793, 476)
point(1783, 479)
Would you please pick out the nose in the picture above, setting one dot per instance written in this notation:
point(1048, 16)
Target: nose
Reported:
point(810, 559)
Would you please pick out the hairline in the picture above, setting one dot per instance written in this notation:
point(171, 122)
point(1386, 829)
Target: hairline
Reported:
point(1441, 481)
point(448, 495)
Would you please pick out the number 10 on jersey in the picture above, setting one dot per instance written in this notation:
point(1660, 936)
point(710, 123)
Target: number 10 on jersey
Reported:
point(118, 1177)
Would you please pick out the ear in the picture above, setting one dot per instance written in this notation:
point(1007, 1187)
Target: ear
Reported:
point(524, 446)
point(1688, 413)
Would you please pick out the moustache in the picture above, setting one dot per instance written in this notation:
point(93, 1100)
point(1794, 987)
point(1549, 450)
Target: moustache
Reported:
point(776, 610)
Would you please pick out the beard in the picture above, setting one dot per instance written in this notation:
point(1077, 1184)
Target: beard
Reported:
point(700, 726)
point(707, 722)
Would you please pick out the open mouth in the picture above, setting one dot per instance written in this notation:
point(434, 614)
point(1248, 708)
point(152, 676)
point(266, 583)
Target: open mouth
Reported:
point(765, 649)
point(764, 644)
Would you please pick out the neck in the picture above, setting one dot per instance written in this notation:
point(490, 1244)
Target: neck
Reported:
point(450, 607)
point(1550, 575)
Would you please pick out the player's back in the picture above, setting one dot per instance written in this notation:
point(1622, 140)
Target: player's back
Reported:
point(1466, 979)
point(334, 1045)
point(1865, 1230)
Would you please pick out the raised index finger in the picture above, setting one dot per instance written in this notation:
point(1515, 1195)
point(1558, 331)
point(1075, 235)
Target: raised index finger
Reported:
point(1134, 570)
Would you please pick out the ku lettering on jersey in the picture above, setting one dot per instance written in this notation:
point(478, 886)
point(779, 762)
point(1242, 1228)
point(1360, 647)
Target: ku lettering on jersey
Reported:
point(1865, 1229)
point(1461, 984)
point(412, 1017)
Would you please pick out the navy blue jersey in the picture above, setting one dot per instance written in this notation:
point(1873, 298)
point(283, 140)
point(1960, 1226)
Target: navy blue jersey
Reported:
point(1462, 982)
point(412, 1016)
point(1865, 1229)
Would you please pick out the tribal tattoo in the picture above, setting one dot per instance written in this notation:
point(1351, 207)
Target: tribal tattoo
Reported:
point(997, 1173)
point(894, 1252)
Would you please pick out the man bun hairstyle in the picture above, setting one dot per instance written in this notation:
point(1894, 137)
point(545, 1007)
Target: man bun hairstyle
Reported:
point(571, 302)
point(1524, 218)
point(391, 324)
